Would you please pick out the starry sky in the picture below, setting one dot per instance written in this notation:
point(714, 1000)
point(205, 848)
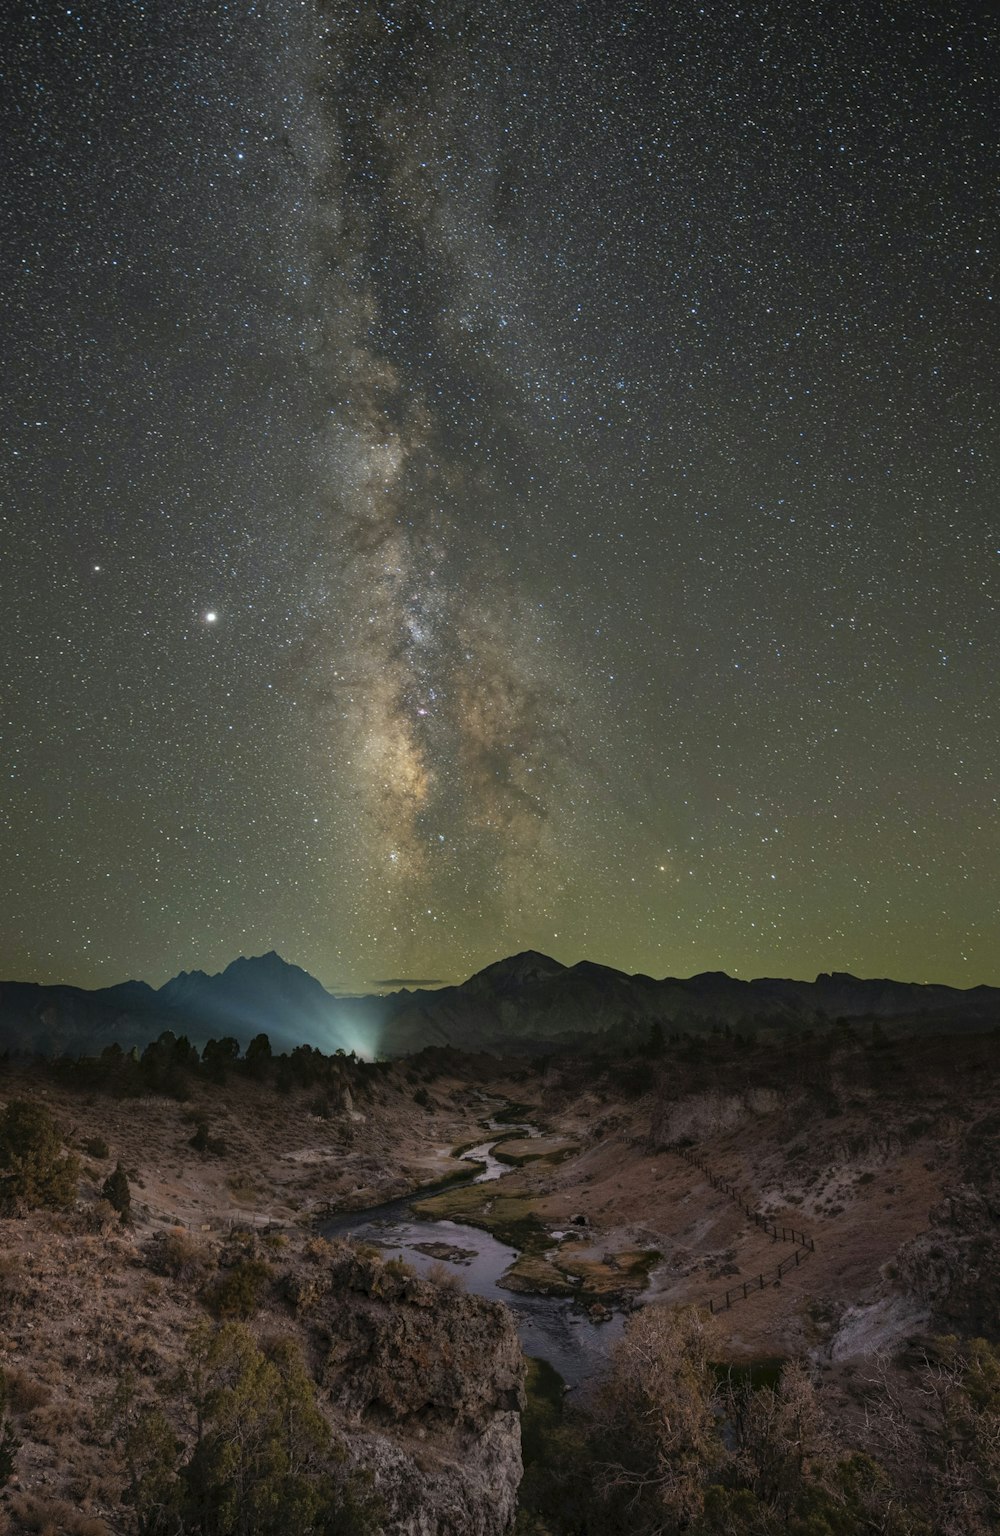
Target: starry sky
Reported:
point(481, 477)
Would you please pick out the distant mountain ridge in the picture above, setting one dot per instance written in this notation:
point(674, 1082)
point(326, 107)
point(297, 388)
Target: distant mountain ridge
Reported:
point(526, 999)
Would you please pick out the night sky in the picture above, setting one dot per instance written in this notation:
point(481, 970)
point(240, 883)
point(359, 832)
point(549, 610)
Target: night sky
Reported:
point(491, 476)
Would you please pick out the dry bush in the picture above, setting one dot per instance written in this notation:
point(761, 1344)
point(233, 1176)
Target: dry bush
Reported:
point(54, 1423)
point(240, 1291)
point(101, 1217)
point(23, 1392)
point(10, 1275)
point(65, 1223)
point(177, 1254)
point(446, 1279)
point(317, 1250)
point(53, 1517)
point(243, 1189)
point(85, 1488)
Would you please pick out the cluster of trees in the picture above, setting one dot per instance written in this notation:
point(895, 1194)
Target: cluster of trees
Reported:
point(170, 1063)
point(236, 1446)
point(36, 1171)
point(671, 1444)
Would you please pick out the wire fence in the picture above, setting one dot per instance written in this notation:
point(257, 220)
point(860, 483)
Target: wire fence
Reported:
point(779, 1232)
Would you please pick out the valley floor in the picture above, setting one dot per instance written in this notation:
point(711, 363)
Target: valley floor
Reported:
point(882, 1154)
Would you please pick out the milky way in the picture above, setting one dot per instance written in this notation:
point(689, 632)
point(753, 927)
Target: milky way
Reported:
point(448, 701)
point(491, 477)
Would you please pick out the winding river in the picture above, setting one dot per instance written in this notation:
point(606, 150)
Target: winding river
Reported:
point(550, 1328)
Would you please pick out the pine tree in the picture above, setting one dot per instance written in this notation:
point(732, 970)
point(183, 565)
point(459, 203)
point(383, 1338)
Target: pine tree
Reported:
point(117, 1192)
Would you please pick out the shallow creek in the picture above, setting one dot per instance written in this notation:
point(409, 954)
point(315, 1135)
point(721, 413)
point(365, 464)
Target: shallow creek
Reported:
point(550, 1328)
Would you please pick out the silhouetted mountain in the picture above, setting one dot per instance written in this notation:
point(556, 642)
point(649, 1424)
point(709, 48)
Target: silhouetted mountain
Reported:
point(251, 996)
point(510, 975)
point(263, 994)
point(526, 1000)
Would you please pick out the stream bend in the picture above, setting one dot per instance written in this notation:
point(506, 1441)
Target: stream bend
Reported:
point(550, 1328)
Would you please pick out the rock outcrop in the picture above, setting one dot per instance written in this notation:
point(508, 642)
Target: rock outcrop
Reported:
point(954, 1267)
point(429, 1381)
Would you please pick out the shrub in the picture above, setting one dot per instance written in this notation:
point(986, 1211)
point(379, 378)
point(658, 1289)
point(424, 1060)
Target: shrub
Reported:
point(240, 1291)
point(101, 1217)
point(117, 1193)
point(47, 1516)
point(444, 1278)
point(9, 1447)
point(96, 1146)
point(178, 1255)
point(33, 1170)
point(202, 1141)
point(317, 1250)
point(22, 1393)
point(263, 1460)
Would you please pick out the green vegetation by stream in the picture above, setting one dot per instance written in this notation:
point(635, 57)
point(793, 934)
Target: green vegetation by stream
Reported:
point(546, 1265)
point(509, 1217)
point(518, 1151)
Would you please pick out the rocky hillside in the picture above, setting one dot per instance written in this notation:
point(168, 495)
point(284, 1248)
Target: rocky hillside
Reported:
point(881, 1150)
point(406, 1391)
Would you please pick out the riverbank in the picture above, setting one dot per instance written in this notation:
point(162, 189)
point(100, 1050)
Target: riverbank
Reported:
point(550, 1261)
point(477, 1236)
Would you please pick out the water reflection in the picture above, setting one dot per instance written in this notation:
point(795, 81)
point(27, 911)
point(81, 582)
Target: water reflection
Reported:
point(551, 1328)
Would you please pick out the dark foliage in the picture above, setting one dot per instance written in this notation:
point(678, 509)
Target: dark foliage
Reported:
point(33, 1168)
point(117, 1193)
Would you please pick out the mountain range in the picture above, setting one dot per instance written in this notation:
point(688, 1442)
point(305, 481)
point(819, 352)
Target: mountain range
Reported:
point(528, 1001)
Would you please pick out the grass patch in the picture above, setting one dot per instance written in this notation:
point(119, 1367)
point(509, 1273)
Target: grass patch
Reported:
point(447, 1181)
point(532, 1274)
point(625, 1275)
point(509, 1218)
point(535, 1152)
point(542, 1265)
